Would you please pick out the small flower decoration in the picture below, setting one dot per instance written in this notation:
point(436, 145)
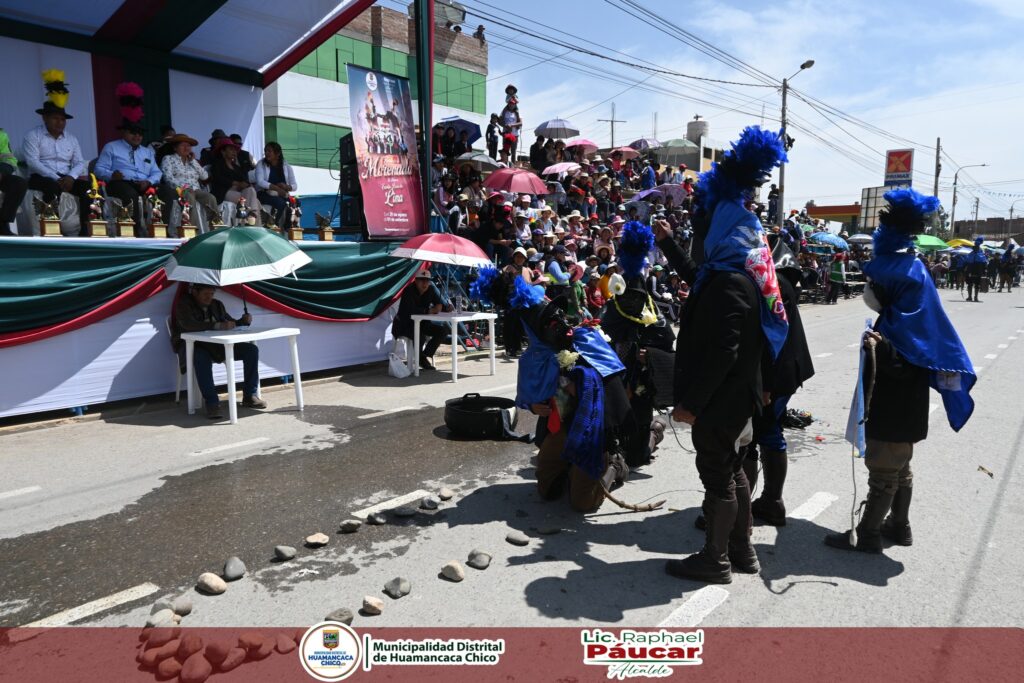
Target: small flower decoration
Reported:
point(567, 359)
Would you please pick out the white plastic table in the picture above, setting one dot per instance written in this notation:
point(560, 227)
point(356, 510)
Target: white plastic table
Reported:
point(229, 338)
point(452, 319)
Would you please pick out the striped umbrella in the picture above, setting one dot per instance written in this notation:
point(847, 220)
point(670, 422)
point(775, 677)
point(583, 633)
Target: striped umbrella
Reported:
point(442, 247)
point(231, 256)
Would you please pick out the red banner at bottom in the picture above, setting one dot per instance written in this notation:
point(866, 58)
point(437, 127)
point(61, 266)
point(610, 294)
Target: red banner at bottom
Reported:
point(565, 655)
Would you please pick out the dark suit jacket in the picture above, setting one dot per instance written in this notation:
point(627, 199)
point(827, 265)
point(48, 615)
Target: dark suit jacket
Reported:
point(794, 366)
point(719, 350)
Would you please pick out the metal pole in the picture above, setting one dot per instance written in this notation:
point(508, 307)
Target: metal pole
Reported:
point(424, 16)
point(952, 211)
point(613, 121)
point(976, 202)
point(938, 165)
point(781, 211)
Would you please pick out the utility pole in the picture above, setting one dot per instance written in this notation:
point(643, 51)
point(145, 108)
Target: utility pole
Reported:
point(976, 202)
point(612, 121)
point(654, 128)
point(938, 165)
point(781, 212)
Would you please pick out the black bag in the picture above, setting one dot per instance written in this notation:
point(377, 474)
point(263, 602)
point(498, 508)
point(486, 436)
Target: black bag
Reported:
point(482, 417)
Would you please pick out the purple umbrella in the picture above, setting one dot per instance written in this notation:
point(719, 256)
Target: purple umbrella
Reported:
point(462, 125)
point(645, 143)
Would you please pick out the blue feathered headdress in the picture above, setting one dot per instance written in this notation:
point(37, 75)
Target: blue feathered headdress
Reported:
point(905, 216)
point(495, 289)
point(747, 165)
point(481, 288)
point(636, 242)
point(524, 295)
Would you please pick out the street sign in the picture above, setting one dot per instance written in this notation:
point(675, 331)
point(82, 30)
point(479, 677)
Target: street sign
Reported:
point(899, 167)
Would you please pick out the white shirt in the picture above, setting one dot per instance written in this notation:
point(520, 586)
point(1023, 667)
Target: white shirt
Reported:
point(52, 157)
point(263, 175)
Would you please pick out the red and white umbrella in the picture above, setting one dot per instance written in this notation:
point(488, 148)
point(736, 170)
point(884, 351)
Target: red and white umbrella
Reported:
point(588, 146)
point(563, 167)
point(516, 180)
point(443, 247)
point(627, 152)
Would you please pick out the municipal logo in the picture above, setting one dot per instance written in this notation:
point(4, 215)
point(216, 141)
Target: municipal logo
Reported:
point(371, 81)
point(330, 651)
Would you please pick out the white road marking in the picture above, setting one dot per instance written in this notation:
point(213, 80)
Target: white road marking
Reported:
point(1012, 338)
point(381, 413)
point(699, 605)
point(74, 614)
point(230, 446)
point(1003, 346)
point(20, 492)
point(814, 506)
point(824, 355)
point(853, 346)
point(391, 504)
point(932, 408)
point(991, 356)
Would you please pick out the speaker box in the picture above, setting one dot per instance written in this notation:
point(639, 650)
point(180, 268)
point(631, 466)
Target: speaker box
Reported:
point(350, 215)
point(346, 150)
point(349, 181)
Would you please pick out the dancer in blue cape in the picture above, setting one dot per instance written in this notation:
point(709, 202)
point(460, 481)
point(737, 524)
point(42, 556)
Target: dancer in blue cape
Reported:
point(912, 347)
point(572, 380)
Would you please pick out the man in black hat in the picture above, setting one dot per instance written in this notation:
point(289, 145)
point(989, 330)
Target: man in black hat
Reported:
point(420, 298)
point(129, 169)
point(206, 154)
point(55, 162)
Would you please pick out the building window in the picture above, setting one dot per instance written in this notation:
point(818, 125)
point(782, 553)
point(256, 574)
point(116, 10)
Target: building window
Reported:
point(313, 145)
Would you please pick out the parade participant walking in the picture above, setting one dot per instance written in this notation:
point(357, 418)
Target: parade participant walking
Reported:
point(912, 346)
point(975, 264)
point(734, 310)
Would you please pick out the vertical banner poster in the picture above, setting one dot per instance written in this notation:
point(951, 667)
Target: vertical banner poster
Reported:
point(380, 106)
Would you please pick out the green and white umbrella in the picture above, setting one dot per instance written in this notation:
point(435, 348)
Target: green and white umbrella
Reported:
point(929, 243)
point(231, 256)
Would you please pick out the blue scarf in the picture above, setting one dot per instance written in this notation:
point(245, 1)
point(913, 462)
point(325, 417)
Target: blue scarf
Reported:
point(588, 342)
point(736, 243)
point(538, 372)
point(584, 445)
point(914, 321)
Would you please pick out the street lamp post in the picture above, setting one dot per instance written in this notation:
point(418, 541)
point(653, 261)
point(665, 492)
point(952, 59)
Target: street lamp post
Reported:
point(952, 212)
point(781, 207)
point(1011, 210)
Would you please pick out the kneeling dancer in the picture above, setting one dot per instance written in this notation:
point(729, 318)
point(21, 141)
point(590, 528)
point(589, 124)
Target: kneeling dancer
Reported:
point(913, 346)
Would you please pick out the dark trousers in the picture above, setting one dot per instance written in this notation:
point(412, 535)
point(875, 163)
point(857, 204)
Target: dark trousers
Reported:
point(512, 328)
point(276, 206)
point(128, 192)
point(14, 188)
point(51, 190)
point(202, 361)
point(492, 149)
point(431, 336)
point(768, 426)
point(719, 461)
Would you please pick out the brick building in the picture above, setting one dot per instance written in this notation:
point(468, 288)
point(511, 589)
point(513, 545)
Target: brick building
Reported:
point(995, 228)
point(306, 110)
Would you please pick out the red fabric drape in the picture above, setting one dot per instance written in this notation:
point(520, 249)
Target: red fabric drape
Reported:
point(151, 286)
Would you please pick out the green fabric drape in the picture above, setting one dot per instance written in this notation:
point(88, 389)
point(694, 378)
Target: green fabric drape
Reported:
point(355, 282)
point(45, 282)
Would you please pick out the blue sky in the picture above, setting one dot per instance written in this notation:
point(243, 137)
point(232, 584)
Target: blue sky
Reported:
point(916, 69)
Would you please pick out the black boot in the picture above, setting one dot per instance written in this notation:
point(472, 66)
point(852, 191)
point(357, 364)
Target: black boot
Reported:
point(869, 537)
point(741, 551)
point(711, 564)
point(769, 507)
point(896, 526)
point(750, 469)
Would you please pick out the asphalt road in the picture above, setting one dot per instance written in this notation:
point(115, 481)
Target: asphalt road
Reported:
point(148, 501)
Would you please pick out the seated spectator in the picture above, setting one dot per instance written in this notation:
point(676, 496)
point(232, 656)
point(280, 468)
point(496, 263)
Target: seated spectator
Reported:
point(206, 155)
point(182, 171)
point(244, 158)
point(229, 181)
point(11, 184)
point(275, 181)
point(420, 298)
point(462, 145)
point(54, 160)
point(199, 311)
point(163, 145)
point(129, 169)
point(449, 143)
